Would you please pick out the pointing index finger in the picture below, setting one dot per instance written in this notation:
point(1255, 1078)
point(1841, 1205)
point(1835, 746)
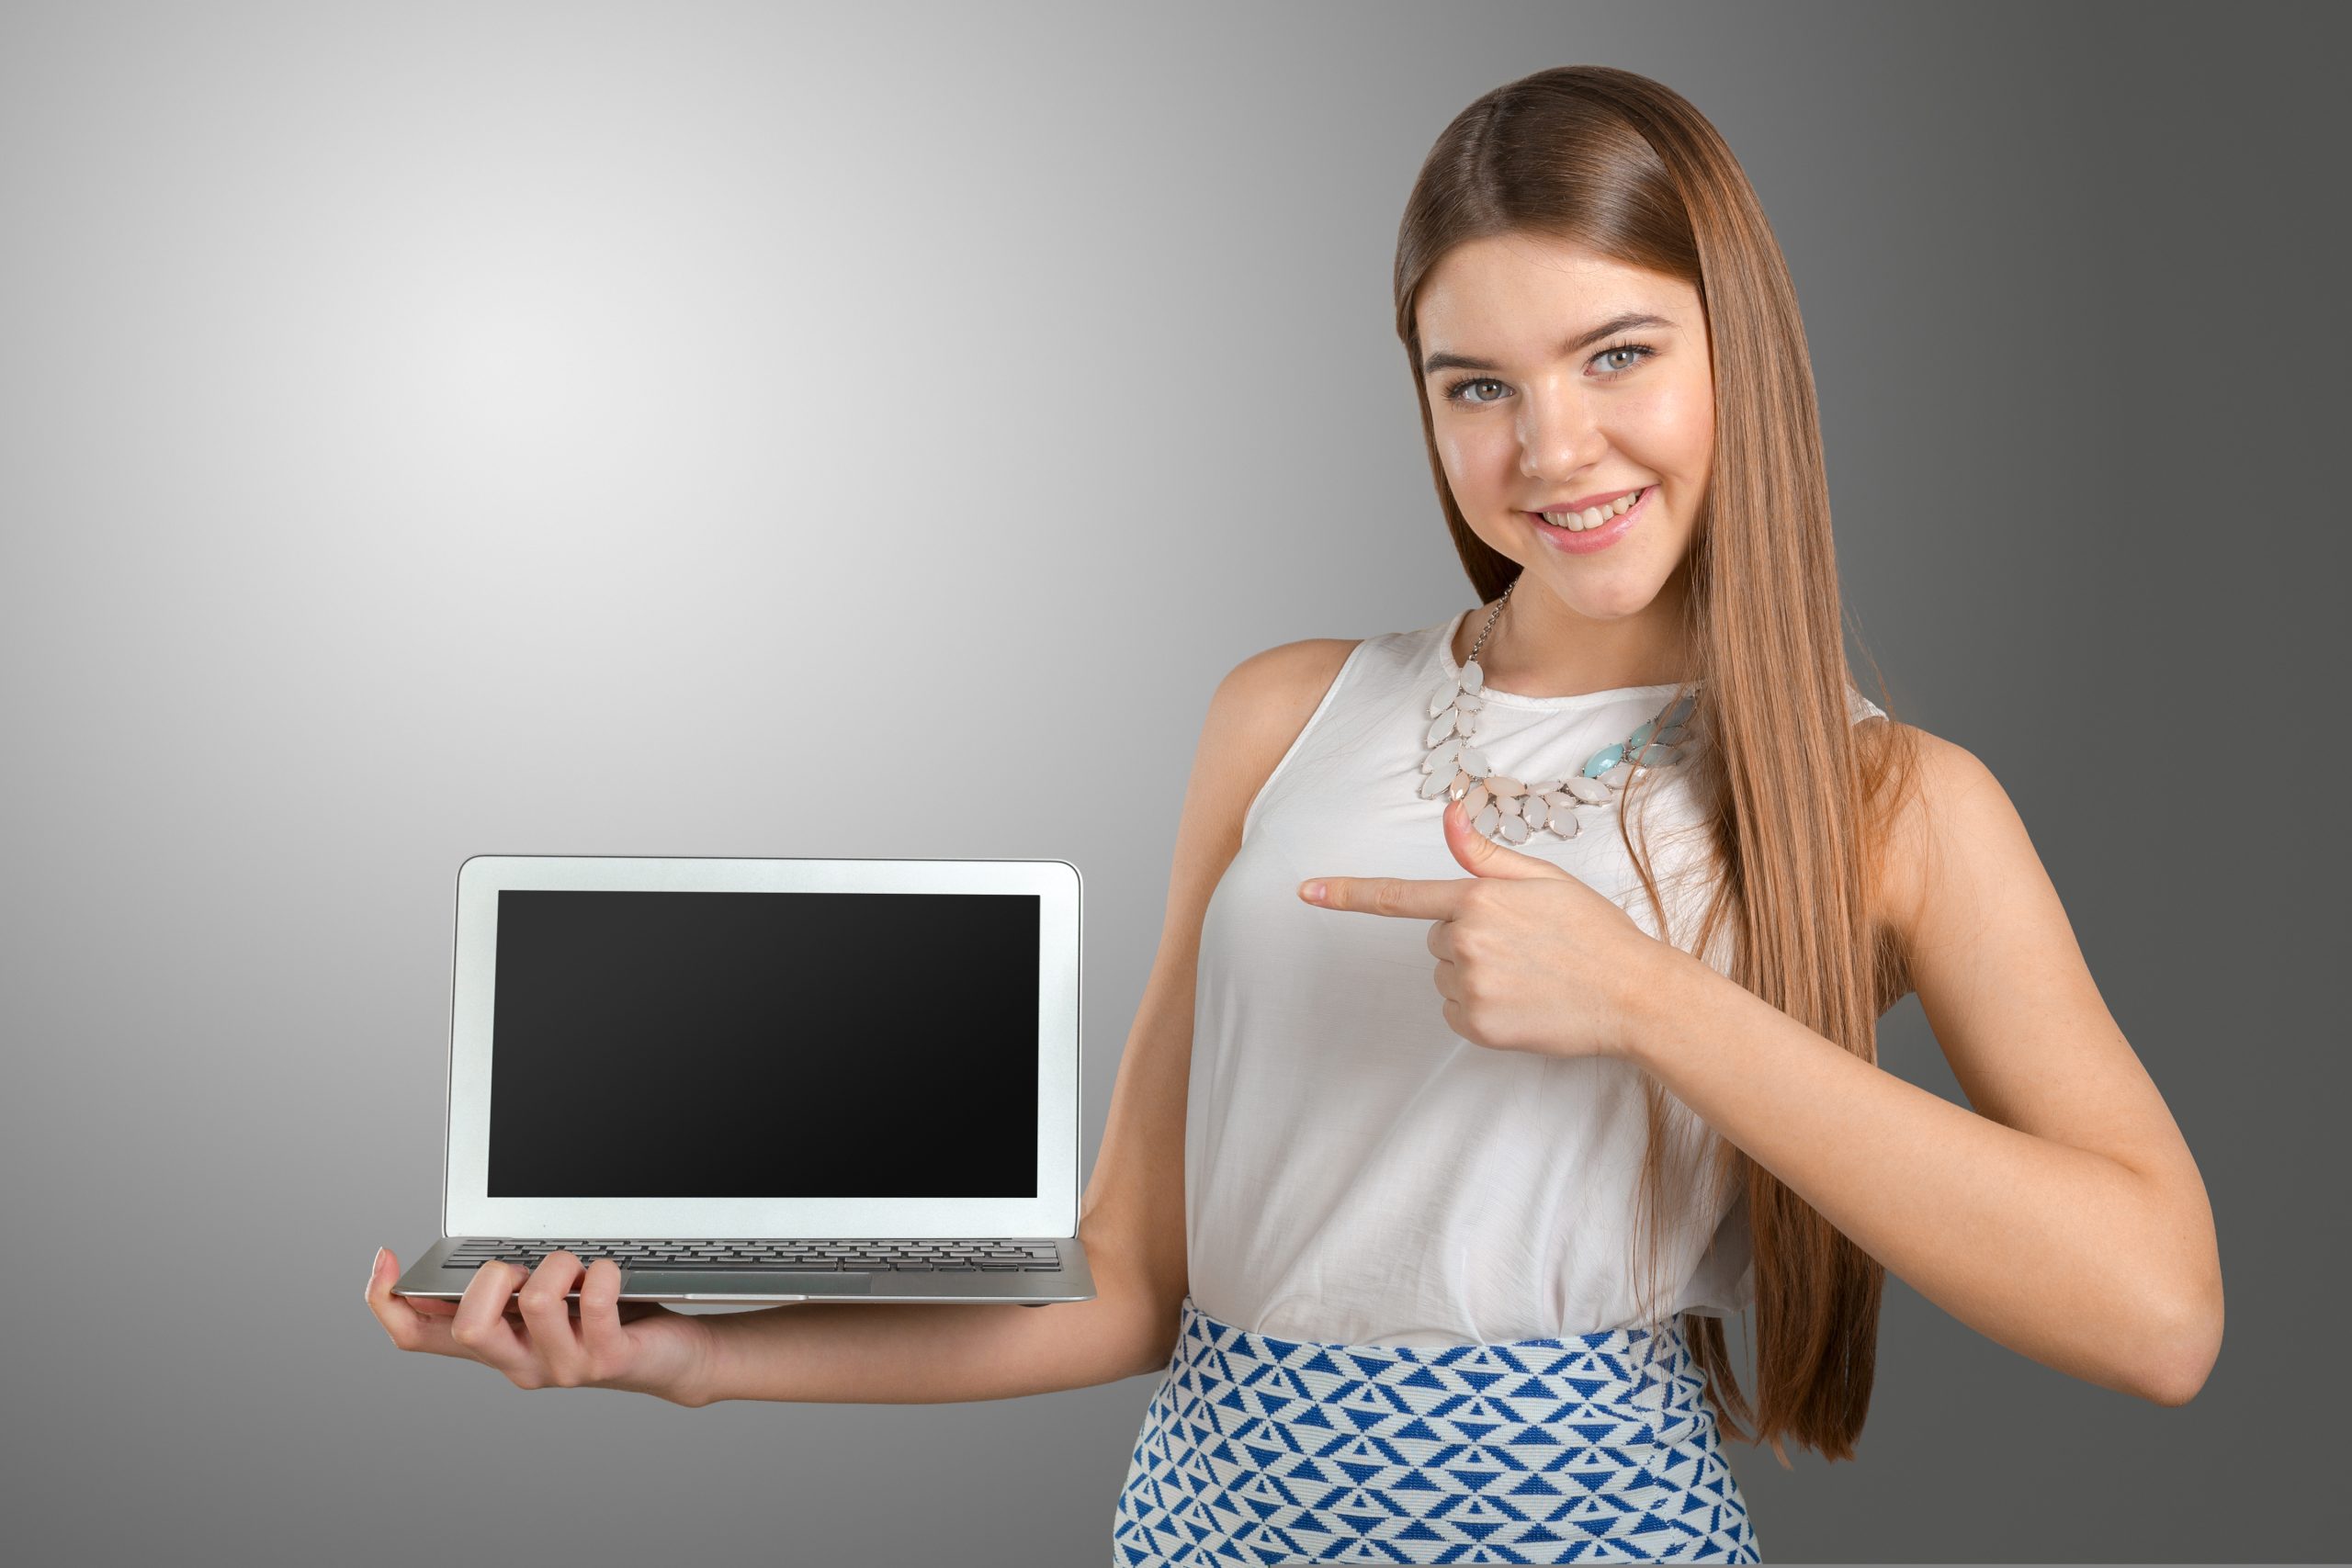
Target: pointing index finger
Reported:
point(1409, 897)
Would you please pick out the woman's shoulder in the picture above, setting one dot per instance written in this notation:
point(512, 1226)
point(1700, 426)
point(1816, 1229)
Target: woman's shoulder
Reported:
point(1265, 701)
point(1928, 781)
point(1304, 670)
point(1290, 671)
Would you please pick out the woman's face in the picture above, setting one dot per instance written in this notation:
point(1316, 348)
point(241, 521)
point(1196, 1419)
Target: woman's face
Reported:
point(1551, 408)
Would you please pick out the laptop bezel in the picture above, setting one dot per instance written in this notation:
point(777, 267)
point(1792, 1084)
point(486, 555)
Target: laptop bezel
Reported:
point(468, 1209)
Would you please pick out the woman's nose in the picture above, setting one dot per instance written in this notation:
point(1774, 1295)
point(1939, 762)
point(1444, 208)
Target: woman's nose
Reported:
point(1557, 435)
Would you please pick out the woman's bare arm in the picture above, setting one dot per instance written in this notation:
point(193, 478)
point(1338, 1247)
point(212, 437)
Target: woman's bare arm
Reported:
point(2063, 1217)
point(1132, 1218)
point(832, 1352)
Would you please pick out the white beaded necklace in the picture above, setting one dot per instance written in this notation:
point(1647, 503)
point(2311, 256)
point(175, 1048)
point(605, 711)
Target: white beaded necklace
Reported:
point(1497, 802)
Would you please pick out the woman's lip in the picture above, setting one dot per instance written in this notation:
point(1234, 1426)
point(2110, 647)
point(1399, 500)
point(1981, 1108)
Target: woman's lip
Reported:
point(1589, 503)
point(1598, 538)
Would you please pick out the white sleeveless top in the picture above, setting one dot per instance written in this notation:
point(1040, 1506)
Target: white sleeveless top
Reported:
point(1355, 1171)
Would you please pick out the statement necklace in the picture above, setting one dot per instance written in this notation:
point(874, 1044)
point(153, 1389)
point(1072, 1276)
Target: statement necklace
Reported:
point(1498, 803)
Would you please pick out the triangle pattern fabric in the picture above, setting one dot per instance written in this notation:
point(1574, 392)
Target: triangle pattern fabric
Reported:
point(1258, 1450)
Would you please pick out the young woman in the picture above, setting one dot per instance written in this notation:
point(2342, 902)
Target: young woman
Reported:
point(1538, 954)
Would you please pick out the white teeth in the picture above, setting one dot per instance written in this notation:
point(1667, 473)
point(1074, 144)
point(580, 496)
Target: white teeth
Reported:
point(1593, 516)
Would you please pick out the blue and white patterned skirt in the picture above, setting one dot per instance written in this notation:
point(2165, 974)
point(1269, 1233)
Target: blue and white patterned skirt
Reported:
point(1597, 1448)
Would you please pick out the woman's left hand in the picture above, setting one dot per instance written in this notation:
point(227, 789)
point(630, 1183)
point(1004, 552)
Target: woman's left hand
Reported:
point(1528, 957)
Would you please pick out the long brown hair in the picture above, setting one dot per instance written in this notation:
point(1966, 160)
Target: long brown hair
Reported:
point(1795, 801)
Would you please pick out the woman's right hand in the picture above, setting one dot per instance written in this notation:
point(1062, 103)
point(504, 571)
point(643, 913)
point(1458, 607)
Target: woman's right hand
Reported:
point(536, 1340)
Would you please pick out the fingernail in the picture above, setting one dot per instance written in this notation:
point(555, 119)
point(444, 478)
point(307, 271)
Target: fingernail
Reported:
point(376, 1265)
point(1314, 891)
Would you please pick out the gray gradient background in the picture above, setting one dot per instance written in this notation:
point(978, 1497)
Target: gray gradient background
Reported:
point(432, 431)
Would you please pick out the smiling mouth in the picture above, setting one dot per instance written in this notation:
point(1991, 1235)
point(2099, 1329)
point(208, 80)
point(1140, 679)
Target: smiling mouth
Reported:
point(1585, 522)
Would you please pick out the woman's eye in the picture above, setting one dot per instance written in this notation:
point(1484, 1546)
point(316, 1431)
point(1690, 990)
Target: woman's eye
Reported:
point(1634, 352)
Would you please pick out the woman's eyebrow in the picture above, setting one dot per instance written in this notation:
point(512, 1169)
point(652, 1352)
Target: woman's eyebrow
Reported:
point(1626, 323)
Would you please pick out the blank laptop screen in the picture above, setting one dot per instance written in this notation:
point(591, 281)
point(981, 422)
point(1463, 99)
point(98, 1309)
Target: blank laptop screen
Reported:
point(735, 1044)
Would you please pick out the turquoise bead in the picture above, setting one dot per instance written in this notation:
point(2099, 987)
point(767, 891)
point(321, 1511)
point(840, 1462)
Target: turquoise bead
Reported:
point(1659, 735)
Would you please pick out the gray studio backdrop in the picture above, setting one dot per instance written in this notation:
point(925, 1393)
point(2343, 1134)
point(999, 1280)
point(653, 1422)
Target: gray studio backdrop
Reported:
point(827, 430)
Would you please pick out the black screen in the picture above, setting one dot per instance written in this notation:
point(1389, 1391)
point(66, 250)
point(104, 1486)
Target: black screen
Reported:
point(677, 1044)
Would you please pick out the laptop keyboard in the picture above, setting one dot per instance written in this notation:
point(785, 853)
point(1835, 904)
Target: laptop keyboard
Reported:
point(798, 1256)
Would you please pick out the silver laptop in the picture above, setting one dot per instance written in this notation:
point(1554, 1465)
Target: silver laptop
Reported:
point(766, 1080)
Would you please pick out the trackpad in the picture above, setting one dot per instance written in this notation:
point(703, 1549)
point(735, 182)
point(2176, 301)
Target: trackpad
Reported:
point(751, 1282)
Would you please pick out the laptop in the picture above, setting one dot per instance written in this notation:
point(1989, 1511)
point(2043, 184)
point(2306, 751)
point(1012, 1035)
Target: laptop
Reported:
point(756, 1082)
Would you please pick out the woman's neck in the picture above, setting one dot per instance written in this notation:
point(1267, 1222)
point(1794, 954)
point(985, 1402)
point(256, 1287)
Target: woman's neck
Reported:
point(1563, 654)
